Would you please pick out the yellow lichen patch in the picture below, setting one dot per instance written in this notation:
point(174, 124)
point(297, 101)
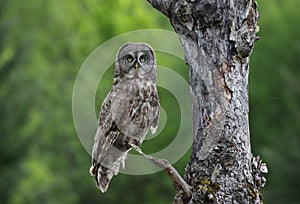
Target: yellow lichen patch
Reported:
point(208, 188)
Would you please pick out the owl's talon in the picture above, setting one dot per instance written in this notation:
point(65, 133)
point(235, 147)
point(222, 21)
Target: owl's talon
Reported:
point(134, 142)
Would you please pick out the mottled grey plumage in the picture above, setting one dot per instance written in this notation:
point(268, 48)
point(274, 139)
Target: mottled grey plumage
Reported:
point(128, 111)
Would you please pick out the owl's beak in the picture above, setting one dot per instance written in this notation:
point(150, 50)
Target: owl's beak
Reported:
point(136, 65)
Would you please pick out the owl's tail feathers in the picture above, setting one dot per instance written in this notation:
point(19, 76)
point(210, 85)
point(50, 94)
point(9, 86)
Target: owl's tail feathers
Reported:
point(102, 176)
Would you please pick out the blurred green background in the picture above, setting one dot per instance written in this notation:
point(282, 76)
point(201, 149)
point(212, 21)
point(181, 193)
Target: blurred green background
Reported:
point(42, 46)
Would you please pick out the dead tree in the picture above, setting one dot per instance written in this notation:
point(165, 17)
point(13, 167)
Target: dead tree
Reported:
point(217, 37)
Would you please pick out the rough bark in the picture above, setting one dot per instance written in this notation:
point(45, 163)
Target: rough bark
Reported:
point(217, 37)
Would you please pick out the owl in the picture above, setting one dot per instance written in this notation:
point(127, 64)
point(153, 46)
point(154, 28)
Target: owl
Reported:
point(129, 110)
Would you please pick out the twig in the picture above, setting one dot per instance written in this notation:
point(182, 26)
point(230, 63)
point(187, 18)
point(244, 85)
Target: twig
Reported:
point(182, 188)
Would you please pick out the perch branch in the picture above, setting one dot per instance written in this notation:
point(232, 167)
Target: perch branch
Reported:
point(182, 188)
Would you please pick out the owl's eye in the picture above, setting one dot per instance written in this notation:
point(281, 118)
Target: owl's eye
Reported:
point(129, 59)
point(142, 59)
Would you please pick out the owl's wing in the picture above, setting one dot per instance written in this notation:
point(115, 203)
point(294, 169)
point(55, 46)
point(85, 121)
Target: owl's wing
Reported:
point(113, 116)
point(103, 167)
point(105, 123)
point(155, 111)
point(107, 154)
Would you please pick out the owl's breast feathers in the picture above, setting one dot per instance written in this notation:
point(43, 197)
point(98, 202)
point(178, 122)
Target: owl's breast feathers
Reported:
point(127, 113)
point(135, 107)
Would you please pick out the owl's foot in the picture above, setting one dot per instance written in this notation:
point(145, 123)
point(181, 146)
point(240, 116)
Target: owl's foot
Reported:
point(134, 142)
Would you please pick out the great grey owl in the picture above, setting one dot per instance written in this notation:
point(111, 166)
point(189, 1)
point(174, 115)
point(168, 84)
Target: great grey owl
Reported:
point(128, 111)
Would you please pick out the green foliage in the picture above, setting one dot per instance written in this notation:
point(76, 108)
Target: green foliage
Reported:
point(42, 46)
point(275, 98)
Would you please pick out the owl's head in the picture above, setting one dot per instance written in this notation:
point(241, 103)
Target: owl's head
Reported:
point(135, 60)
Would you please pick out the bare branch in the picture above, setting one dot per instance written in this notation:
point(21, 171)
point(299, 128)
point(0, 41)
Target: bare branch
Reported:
point(184, 193)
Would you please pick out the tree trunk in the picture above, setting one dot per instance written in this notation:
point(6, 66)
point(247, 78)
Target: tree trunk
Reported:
point(218, 37)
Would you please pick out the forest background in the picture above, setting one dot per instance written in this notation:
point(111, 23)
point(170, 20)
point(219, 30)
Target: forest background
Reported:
point(42, 47)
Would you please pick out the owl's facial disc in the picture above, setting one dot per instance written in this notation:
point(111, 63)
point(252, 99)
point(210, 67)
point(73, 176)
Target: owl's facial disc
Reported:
point(136, 61)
